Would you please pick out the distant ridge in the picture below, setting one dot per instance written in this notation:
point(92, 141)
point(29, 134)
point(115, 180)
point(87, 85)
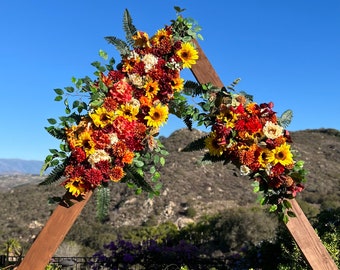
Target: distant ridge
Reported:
point(20, 166)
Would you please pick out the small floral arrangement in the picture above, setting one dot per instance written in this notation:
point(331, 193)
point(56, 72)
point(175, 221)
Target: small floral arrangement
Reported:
point(114, 140)
point(252, 137)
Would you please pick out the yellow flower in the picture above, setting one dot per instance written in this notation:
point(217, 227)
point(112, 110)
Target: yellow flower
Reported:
point(157, 115)
point(160, 35)
point(128, 111)
point(101, 117)
point(177, 83)
point(188, 55)
point(211, 142)
point(265, 157)
point(85, 141)
point(75, 186)
point(141, 40)
point(151, 88)
point(282, 155)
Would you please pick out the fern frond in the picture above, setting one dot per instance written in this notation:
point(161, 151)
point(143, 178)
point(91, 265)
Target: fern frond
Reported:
point(192, 88)
point(208, 157)
point(103, 202)
point(55, 175)
point(137, 179)
point(120, 45)
point(129, 28)
point(195, 145)
point(188, 122)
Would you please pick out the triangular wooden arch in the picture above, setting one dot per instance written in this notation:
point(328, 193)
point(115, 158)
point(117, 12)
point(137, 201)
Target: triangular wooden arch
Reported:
point(63, 217)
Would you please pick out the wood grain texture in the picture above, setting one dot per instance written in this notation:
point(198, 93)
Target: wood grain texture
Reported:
point(308, 241)
point(52, 234)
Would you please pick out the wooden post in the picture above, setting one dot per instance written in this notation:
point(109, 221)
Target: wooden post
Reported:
point(299, 226)
point(53, 234)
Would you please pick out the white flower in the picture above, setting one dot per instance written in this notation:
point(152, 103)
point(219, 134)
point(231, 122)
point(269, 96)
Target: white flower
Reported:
point(272, 131)
point(113, 138)
point(149, 61)
point(244, 170)
point(98, 155)
point(136, 80)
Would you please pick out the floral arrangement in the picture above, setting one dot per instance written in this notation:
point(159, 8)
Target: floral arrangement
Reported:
point(115, 140)
point(252, 137)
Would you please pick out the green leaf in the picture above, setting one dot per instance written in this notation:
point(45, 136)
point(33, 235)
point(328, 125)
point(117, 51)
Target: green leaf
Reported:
point(59, 91)
point(52, 121)
point(103, 54)
point(58, 98)
point(162, 161)
point(120, 45)
point(129, 28)
point(273, 208)
point(286, 118)
point(69, 89)
point(56, 174)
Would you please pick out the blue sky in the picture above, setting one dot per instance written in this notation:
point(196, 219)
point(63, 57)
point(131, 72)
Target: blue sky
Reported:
point(287, 52)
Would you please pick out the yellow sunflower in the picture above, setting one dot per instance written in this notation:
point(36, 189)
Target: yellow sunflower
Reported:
point(101, 117)
point(128, 111)
point(157, 115)
point(188, 55)
point(211, 142)
point(85, 141)
point(160, 35)
point(177, 83)
point(151, 88)
point(75, 186)
point(283, 155)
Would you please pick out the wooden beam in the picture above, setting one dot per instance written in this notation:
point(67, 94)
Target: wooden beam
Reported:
point(53, 233)
point(299, 226)
point(308, 241)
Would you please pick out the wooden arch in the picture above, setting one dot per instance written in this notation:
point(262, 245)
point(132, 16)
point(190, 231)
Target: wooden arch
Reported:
point(63, 217)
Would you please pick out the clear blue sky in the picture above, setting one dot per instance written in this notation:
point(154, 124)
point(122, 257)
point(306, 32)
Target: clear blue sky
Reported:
point(287, 52)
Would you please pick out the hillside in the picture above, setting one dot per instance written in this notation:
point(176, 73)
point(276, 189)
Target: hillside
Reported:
point(19, 166)
point(187, 185)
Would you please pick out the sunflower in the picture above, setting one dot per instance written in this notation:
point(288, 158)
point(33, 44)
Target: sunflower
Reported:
point(157, 115)
point(128, 111)
point(75, 186)
point(101, 117)
point(177, 84)
point(161, 35)
point(282, 155)
point(188, 55)
point(151, 88)
point(211, 142)
point(85, 141)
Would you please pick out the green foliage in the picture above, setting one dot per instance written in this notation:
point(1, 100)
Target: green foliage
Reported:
point(129, 28)
point(55, 175)
point(286, 118)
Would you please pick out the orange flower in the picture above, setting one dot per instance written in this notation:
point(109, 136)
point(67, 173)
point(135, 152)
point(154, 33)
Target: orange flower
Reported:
point(116, 173)
point(128, 157)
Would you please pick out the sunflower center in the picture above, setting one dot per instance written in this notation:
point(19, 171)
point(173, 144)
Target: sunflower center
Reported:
point(156, 116)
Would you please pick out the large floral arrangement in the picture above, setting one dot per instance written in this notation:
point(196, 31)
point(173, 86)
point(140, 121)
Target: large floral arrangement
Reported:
point(252, 137)
point(114, 140)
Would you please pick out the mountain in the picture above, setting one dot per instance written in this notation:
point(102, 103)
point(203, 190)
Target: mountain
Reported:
point(20, 166)
point(190, 191)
